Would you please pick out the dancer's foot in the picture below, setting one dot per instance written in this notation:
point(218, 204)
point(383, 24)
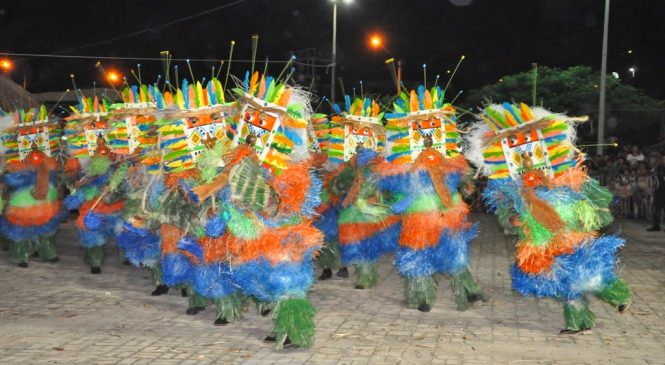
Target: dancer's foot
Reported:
point(95, 270)
point(53, 260)
point(623, 308)
point(23, 264)
point(183, 292)
point(265, 312)
point(270, 339)
point(159, 290)
point(221, 322)
point(472, 298)
point(360, 287)
point(572, 332)
point(424, 307)
point(191, 311)
point(326, 274)
point(343, 273)
point(287, 342)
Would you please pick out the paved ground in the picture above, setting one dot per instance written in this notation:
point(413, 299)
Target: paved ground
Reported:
point(59, 313)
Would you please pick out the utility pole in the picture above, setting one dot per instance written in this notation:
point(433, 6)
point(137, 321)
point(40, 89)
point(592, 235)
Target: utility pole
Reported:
point(603, 81)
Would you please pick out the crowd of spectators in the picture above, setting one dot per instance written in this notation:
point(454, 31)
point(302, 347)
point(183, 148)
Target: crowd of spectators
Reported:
point(631, 174)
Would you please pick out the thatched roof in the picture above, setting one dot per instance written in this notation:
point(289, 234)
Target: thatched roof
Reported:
point(13, 96)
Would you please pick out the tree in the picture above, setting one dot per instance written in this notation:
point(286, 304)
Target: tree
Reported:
point(575, 91)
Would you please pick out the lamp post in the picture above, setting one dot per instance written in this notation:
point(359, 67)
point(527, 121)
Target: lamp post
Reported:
point(603, 76)
point(334, 49)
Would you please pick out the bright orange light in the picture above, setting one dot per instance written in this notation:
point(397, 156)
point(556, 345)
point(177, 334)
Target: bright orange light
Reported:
point(6, 65)
point(376, 41)
point(112, 77)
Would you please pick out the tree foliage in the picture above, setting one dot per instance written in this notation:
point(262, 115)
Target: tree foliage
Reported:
point(575, 91)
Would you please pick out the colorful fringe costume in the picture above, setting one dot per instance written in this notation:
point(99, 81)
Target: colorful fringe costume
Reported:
point(328, 211)
point(536, 172)
point(33, 209)
point(188, 136)
point(98, 195)
point(131, 135)
point(368, 229)
point(329, 256)
point(268, 196)
point(424, 172)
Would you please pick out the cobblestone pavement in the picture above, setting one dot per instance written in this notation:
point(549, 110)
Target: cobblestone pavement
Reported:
point(59, 313)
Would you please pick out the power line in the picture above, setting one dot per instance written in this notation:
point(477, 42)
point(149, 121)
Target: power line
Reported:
point(41, 55)
point(153, 28)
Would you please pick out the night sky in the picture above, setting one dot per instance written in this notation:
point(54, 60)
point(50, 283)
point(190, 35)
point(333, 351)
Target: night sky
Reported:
point(498, 37)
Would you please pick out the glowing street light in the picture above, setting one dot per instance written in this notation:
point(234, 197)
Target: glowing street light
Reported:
point(632, 71)
point(375, 41)
point(6, 65)
point(113, 77)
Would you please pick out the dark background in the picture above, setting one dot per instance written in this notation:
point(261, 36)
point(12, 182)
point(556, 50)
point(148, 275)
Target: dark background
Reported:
point(498, 37)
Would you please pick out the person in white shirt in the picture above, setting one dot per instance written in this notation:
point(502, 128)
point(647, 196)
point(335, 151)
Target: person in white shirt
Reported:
point(634, 156)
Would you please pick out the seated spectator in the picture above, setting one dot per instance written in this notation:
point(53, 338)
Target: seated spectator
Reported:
point(635, 156)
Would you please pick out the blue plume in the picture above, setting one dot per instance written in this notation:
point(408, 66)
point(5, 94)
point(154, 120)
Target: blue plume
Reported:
point(135, 91)
point(212, 97)
point(213, 281)
point(421, 97)
point(176, 269)
point(190, 245)
point(439, 102)
point(293, 135)
point(269, 81)
point(347, 103)
point(366, 104)
point(509, 107)
point(245, 82)
point(93, 221)
point(185, 92)
point(215, 227)
point(337, 109)
point(372, 248)
point(270, 283)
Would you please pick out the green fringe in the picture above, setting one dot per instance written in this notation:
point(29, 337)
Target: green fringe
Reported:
point(367, 275)
point(419, 290)
point(601, 198)
point(539, 234)
point(587, 216)
point(94, 256)
point(578, 316)
point(209, 162)
point(230, 307)
point(241, 225)
point(195, 299)
point(99, 165)
point(329, 256)
point(294, 318)
point(119, 176)
point(504, 214)
point(23, 198)
point(616, 293)
point(156, 273)
point(46, 248)
point(464, 287)
point(19, 251)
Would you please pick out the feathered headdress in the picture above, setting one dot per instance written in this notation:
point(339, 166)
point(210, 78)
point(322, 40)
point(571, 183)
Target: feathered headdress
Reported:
point(132, 121)
point(274, 117)
point(198, 124)
point(418, 116)
point(31, 129)
point(359, 125)
point(507, 132)
point(88, 122)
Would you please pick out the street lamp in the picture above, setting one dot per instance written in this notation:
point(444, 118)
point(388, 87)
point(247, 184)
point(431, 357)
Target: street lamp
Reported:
point(334, 48)
point(113, 77)
point(6, 65)
point(632, 71)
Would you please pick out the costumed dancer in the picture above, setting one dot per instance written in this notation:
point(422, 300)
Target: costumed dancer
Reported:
point(98, 194)
point(133, 135)
point(269, 196)
point(186, 135)
point(328, 211)
point(425, 172)
point(534, 168)
point(368, 229)
point(32, 209)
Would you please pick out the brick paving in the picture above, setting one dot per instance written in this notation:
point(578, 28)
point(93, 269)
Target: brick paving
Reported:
point(61, 314)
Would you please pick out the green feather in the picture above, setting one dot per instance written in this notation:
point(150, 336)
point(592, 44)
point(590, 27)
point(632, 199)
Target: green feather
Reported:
point(99, 165)
point(294, 318)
